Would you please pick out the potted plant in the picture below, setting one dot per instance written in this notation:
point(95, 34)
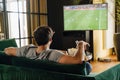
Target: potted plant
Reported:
point(117, 34)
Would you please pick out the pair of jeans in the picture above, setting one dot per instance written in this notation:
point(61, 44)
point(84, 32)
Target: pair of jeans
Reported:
point(88, 68)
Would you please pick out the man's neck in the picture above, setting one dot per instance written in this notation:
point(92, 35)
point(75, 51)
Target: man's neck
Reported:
point(41, 48)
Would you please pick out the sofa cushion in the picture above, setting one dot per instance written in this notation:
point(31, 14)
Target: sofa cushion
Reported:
point(50, 65)
point(7, 43)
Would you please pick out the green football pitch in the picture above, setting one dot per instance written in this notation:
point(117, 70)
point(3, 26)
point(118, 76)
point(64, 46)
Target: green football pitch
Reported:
point(85, 19)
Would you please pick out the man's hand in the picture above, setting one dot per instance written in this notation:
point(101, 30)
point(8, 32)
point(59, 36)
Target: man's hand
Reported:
point(10, 51)
point(82, 43)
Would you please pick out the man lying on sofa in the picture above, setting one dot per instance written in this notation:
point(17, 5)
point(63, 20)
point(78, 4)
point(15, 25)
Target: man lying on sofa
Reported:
point(43, 37)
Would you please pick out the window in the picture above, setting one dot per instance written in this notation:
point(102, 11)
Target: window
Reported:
point(1, 15)
point(22, 17)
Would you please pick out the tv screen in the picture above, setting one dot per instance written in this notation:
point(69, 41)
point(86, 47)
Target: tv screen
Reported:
point(85, 17)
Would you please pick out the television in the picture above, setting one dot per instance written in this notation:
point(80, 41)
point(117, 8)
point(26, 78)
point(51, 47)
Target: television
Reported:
point(85, 17)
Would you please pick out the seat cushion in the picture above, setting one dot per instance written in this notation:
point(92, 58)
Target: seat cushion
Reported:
point(7, 43)
point(50, 65)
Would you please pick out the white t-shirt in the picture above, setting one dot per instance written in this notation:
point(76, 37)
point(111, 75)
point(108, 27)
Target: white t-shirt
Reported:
point(29, 51)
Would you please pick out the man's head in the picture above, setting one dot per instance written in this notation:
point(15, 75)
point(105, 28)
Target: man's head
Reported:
point(43, 34)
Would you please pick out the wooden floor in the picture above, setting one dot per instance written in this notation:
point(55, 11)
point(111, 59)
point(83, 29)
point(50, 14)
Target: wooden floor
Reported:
point(99, 67)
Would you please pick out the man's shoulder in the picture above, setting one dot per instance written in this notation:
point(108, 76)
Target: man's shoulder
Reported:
point(55, 51)
point(30, 46)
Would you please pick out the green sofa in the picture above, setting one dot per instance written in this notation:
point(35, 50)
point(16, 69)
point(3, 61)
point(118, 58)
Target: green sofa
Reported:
point(20, 68)
point(111, 74)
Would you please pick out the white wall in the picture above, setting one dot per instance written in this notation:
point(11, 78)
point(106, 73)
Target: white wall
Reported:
point(103, 39)
point(108, 34)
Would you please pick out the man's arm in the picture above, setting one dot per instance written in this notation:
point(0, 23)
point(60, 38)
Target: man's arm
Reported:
point(78, 58)
point(10, 51)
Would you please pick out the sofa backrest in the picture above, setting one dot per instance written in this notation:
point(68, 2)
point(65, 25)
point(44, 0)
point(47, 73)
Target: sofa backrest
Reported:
point(50, 65)
point(8, 72)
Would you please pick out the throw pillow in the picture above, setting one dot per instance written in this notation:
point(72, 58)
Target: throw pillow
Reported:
point(7, 43)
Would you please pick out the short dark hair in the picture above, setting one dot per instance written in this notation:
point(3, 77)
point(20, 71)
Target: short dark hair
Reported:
point(42, 35)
